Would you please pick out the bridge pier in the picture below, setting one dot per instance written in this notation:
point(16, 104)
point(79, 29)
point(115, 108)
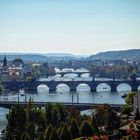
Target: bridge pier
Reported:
point(113, 89)
point(73, 89)
point(79, 74)
point(93, 89)
point(52, 89)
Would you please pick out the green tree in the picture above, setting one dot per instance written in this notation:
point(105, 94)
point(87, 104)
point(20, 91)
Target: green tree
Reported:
point(40, 136)
point(60, 127)
point(62, 113)
point(126, 109)
point(17, 120)
point(86, 129)
point(31, 130)
point(74, 129)
point(48, 112)
point(37, 116)
point(25, 136)
point(129, 98)
point(65, 133)
point(48, 132)
point(54, 135)
point(133, 75)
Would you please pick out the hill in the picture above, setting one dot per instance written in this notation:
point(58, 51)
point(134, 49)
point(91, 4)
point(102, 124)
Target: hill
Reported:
point(24, 56)
point(133, 54)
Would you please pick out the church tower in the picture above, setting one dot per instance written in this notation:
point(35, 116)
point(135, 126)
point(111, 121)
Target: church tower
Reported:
point(5, 61)
point(5, 72)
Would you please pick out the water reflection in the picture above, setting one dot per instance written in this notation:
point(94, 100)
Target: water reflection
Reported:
point(103, 87)
point(83, 88)
point(62, 88)
point(124, 87)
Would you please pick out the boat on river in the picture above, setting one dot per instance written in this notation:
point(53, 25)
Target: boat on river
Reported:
point(124, 95)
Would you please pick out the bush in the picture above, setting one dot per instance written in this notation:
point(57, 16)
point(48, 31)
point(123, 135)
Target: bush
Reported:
point(74, 129)
point(65, 133)
point(54, 135)
point(86, 129)
point(48, 132)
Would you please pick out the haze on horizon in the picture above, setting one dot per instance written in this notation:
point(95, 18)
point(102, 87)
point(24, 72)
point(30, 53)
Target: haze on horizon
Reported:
point(69, 26)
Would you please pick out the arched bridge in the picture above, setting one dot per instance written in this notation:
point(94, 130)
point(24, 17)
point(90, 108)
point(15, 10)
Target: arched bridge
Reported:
point(31, 86)
point(78, 73)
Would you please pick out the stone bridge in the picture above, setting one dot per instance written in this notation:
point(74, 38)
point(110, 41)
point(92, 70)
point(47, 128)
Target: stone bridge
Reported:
point(72, 72)
point(31, 86)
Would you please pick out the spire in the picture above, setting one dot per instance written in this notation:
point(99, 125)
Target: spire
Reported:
point(5, 61)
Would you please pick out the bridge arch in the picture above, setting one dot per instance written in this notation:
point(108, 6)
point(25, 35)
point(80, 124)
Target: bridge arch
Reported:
point(83, 87)
point(42, 88)
point(85, 75)
point(139, 88)
point(58, 75)
point(71, 75)
point(103, 87)
point(124, 87)
point(62, 87)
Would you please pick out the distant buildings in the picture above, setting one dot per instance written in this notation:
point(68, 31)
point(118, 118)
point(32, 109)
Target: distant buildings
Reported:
point(4, 70)
point(136, 103)
point(15, 70)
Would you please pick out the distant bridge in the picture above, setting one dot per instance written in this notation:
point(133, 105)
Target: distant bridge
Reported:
point(79, 73)
point(31, 86)
point(79, 106)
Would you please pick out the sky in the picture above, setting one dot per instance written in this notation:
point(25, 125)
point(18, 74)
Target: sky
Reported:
point(81, 27)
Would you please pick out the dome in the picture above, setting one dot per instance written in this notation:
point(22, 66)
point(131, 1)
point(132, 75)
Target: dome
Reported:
point(17, 62)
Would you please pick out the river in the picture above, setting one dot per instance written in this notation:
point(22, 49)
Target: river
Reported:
point(63, 95)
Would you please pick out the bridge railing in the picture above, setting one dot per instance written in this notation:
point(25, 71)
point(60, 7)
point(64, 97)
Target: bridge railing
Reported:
point(12, 103)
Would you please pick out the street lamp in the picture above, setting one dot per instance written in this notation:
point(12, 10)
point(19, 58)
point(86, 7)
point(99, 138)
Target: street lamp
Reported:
point(72, 98)
point(25, 98)
point(18, 97)
point(77, 98)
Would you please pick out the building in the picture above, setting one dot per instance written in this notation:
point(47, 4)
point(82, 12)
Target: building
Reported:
point(4, 71)
point(18, 62)
point(136, 103)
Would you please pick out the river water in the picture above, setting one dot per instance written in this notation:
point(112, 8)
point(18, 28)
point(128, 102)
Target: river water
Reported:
point(63, 95)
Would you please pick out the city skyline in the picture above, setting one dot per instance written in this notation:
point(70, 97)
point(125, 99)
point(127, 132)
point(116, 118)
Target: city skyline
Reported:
point(79, 27)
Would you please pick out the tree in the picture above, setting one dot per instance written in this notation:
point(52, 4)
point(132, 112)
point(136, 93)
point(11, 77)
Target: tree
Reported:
point(74, 129)
point(25, 136)
point(94, 124)
point(48, 132)
point(31, 130)
point(86, 129)
point(41, 136)
point(48, 112)
point(60, 127)
point(126, 109)
point(107, 117)
point(62, 113)
point(54, 135)
point(73, 112)
point(17, 120)
point(134, 75)
point(129, 98)
point(65, 133)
